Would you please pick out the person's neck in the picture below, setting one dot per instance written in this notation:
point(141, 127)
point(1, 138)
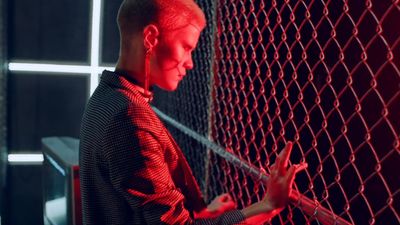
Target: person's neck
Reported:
point(137, 80)
point(130, 72)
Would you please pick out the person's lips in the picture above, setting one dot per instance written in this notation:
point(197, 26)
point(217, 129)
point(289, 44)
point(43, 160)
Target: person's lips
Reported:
point(181, 76)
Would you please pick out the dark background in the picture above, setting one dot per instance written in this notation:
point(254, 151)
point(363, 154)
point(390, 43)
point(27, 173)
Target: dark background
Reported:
point(42, 105)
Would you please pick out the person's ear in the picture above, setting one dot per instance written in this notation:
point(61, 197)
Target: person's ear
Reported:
point(150, 36)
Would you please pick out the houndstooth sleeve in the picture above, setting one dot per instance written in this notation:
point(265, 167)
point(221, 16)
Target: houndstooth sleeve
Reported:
point(139, 172)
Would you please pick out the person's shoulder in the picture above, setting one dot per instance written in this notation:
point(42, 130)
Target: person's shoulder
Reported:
point(119, 107)
point(143, 116)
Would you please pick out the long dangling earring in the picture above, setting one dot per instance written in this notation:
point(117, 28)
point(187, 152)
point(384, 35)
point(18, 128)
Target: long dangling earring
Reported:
point(147, 72)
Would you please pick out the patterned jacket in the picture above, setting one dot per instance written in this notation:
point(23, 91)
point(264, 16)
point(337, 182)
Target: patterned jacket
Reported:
point(131, 169)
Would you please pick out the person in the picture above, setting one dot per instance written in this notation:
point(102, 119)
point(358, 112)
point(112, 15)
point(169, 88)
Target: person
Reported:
point(131, 169)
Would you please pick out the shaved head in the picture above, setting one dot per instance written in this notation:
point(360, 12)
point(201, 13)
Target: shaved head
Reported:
point(157, 40)
point(135, 15)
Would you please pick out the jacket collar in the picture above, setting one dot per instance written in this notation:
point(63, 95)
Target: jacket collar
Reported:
point(122, 82)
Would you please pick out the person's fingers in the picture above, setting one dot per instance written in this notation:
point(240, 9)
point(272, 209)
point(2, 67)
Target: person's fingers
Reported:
point(302, 166)
point(291, 174)
point(230, 205)
point(225, 197)
point(283, 157)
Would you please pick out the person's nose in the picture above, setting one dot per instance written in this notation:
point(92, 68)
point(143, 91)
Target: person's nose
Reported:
point(188, 64)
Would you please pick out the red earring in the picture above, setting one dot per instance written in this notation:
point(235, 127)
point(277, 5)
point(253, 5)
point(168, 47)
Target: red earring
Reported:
point(147, 72)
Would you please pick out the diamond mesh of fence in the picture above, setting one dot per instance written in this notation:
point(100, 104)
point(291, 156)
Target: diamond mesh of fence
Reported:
point(323, 74)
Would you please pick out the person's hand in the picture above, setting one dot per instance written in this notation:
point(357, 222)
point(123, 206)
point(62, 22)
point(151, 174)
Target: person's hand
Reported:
point(222, 203)
point(280, 182)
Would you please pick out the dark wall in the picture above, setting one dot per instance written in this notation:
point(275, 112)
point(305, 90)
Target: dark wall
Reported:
point(110, 37)
point(42, 104)
point(46, 104)
point(49, 30)
point(3, 82)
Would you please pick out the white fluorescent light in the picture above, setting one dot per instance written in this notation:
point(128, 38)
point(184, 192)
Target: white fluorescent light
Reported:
point(54, 68)
point(95, 34)
point(48, 68)
point(25, 158)
point(95, 45)
point(94, 81)
point(100, 69)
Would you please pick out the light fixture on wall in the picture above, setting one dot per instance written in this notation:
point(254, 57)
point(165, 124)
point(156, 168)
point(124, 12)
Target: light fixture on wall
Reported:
point(25, 159)
point(93, 69)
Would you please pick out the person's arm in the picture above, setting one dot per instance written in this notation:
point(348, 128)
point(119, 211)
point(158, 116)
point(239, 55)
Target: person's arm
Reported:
point(279, 188)
point(221, 204)
point(138, 171)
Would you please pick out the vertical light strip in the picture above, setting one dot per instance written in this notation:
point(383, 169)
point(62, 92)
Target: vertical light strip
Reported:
point(95, 44)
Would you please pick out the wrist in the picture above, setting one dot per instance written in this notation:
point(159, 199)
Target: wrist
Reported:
point(261, 208)
point(201, 214)
point(269, 208)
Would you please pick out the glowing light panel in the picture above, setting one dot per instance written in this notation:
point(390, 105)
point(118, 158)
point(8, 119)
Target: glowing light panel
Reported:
point(25, 158)
point(93, 69)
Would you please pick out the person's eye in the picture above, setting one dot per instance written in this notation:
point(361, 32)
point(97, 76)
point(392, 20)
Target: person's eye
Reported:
point(188, 48)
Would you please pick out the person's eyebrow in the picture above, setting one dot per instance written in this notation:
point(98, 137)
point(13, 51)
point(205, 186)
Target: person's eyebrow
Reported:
point(189, 45)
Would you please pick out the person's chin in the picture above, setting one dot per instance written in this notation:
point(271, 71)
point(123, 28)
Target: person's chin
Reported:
point(170, 86)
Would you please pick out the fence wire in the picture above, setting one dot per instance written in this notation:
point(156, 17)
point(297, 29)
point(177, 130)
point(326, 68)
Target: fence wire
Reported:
point(190, 103)
point(324, 74)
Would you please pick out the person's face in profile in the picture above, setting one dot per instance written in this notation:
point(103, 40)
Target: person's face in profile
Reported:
point(173, 56)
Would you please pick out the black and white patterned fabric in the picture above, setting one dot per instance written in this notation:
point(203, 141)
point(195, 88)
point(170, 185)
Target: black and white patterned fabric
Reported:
point(131, 169)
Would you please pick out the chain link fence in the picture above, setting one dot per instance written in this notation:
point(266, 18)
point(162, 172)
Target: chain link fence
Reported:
point(323, 74)
point(190, 103)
